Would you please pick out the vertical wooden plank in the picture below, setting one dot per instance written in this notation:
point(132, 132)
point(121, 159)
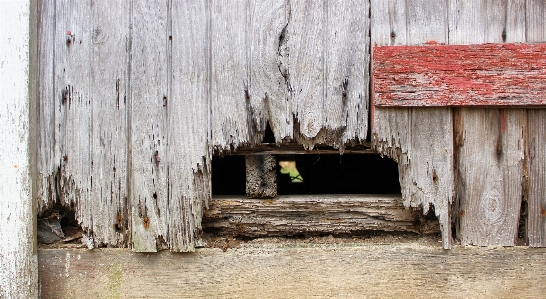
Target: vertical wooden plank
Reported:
point(109, 120)
point(261, 176)
point(230, 75)
point(18, 258)
point(347, 69)
point(489, 142)
point(420, 140)
point(189, 124)
point(269, 74)
point(536, 223)
point(72, 100)
point(307, 67)
point(149, 129)
point(46, 164)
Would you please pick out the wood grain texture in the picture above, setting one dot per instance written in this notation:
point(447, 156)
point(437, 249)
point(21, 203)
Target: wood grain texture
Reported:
point(307, 65)
point(269, 69)
point(110, 83)
point(189, 123)
point(232, 121)
point(490, 164)
point(18, 91)
point(329, 44)
point(489, 142)
point(536, 202)
point(297, 270)
point(150, 102)
point(347, 70)
point(457, 75)
point(72, 103)
point(418, 139)
point(261, 176)
point(310, 215)
point(536, 225)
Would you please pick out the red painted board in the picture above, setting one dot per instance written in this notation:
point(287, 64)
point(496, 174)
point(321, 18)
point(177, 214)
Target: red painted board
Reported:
point(459, 75)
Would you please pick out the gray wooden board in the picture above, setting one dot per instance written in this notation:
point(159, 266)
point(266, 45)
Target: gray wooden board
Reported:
point(110, 83)
point(149, 100)
point(490, 145)
point(46, 163)
point(296, 269)
point(269, 97)
point(232, 122)
point(347, 69)
point(535, 31)
point(189, 125)
point(418, 139)
point(72, 98)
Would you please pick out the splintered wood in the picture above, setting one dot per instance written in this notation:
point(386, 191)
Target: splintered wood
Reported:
point(459, 75)
point(310, 215)
point(134, 99)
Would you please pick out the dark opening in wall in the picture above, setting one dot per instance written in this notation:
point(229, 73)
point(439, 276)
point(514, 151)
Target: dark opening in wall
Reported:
point(318, 174)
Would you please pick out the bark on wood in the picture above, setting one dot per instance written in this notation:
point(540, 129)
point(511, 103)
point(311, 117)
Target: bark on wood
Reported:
point(310, 215)
point(448, 75)
point(420, 140)
point(18, 90)
point(296, 270)
point(261, 176)
point(490, 145)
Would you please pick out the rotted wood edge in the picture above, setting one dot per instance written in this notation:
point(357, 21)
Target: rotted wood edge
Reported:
point(308, 215)
point(294, 148)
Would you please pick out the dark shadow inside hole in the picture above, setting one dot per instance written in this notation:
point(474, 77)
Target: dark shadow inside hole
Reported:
point(269, 137)
point(321, 174)
point(347, 174)
point(228, 175)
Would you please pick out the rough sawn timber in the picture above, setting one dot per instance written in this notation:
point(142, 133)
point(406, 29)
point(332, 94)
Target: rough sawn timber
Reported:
point(18, 92)
point(261, 176)
point(297, 270)
point(459, 75)
point(420, 140)
point(296, 215)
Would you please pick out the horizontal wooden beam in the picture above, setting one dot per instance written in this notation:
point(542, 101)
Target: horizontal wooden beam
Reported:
point(459, 75)
point(297, 270)
point(296, 149)
point(310, 215)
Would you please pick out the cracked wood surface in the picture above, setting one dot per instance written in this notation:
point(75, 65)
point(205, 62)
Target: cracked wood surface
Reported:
point(137, 95)
point(308, 215)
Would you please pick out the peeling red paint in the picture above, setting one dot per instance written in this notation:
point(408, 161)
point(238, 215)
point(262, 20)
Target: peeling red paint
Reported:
point(459, 75)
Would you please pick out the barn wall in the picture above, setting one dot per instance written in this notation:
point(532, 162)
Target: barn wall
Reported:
point(135, 95)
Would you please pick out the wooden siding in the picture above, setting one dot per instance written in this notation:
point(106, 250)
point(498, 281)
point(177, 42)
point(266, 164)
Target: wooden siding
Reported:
point(459, 75)
point(136, 95)
point(420, 140)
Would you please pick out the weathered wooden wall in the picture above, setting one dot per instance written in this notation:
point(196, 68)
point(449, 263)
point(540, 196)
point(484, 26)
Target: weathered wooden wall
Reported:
point(135, 96)
point(18, 248)
point(485, 160)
